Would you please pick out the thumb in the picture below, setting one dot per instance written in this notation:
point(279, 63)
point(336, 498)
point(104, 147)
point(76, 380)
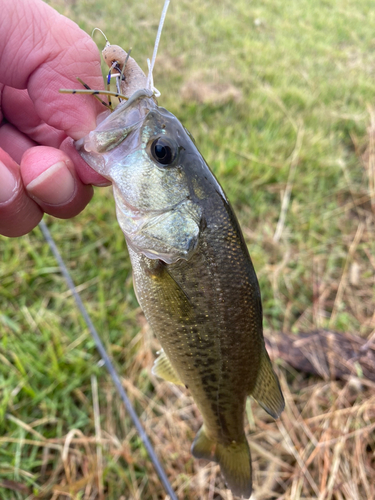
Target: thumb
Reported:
point(15, 204)
point(44, 51)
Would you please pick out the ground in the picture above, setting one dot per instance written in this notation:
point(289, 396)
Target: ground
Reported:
point(280, 98)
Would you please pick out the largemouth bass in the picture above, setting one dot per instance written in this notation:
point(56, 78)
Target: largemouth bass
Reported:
point(193, 275)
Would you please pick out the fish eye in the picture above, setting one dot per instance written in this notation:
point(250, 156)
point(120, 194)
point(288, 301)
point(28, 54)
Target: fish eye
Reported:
point(162, 151)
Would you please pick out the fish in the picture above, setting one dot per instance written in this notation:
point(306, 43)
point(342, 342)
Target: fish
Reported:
point(192, 273)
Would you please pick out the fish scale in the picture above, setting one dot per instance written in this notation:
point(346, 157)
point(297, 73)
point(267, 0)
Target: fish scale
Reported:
point(224, 324)
point(192, 274)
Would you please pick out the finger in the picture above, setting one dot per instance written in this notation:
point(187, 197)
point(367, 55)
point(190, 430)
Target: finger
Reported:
point(14, 142)
point(19, 110)
point(18, 213)
point(43, 51)
point(85, 173)
point(50, 179)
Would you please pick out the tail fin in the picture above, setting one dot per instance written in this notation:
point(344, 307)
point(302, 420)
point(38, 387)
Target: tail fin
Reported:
point(234, 461)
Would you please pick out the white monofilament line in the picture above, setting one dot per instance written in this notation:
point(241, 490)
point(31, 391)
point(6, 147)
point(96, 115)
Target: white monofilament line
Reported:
point(150, 80)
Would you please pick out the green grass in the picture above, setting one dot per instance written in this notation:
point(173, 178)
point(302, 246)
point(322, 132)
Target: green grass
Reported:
point(300, 70)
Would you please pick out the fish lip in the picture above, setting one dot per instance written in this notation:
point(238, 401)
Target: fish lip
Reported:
point(99, 164)
point(134, 97)
point(78, 144)
point(138, 95)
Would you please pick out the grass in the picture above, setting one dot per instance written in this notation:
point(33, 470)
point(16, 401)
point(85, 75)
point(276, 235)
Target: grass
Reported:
point(267, 89)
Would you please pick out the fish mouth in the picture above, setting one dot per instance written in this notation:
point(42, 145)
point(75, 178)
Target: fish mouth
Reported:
point(98, 147)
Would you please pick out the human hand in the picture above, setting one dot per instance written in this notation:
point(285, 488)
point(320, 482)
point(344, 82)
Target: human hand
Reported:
point(40, 170)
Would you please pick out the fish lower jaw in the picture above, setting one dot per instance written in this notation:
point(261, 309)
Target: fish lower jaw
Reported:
point(95, 161)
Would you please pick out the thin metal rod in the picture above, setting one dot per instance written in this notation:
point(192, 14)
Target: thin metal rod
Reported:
point(111, 369)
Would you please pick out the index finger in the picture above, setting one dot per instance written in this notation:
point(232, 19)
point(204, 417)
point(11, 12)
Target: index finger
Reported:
point(44, 51)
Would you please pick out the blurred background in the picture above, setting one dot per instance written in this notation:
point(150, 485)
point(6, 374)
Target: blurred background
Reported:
point(280, 98)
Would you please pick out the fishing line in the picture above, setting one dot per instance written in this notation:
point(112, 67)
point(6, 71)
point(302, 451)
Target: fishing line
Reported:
point(150, 78)
point(111, 369)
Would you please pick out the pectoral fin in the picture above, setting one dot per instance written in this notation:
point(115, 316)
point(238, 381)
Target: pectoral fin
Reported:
point(162, 368)
point(267, 390)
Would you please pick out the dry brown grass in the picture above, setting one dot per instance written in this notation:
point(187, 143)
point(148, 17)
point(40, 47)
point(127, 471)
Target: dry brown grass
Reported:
point(323, 447)
point(318, 272)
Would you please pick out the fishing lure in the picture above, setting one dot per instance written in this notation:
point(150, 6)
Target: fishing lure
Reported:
point(128, 75)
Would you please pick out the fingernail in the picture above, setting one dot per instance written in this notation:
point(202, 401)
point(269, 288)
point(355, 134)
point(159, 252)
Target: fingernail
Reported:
point(8, 184)
point(54, 186)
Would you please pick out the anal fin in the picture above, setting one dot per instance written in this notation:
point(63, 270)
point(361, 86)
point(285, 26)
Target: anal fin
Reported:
point(267, 391)
point(162, 368)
